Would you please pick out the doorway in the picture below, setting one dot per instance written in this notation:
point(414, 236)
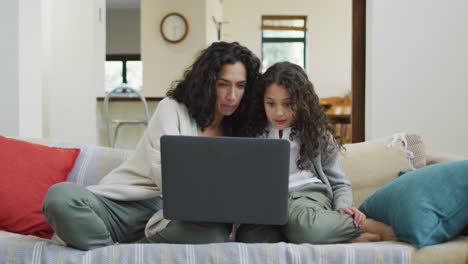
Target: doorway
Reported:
point(358, 71)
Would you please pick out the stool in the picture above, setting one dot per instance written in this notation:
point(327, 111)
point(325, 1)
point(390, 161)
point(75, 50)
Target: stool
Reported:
point(117, 93)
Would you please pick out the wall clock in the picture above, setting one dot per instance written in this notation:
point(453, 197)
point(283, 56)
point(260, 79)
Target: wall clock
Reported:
point(174, 27)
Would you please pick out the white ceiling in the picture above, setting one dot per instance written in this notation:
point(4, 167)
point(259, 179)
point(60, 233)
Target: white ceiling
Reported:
point(123, 3)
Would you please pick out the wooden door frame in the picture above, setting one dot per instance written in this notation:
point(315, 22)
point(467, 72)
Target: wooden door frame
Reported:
point(358, 71)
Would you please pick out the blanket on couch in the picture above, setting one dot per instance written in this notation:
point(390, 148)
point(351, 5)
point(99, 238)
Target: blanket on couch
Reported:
point(16, 248)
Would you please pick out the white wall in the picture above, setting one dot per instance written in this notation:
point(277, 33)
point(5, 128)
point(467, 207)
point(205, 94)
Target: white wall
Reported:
point(55, 55)
point(417, 71)
point(74, 68)
point(20, 49)
point(30, 69)
point(214, 9)
point(165, 62)
point(9, 92)
point(328, 37)
point(123, 31)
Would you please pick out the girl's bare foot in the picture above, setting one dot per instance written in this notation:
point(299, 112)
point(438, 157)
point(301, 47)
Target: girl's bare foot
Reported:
point(366, 237)
point(375, 227)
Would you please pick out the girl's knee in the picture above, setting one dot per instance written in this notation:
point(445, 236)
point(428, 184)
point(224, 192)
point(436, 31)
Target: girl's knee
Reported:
point(306, 235)
point(320, 227)
point(303, 227)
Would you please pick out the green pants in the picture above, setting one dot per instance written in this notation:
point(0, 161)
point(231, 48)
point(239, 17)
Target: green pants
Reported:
point(86, 221)
point(311, 219)
point(179, 232)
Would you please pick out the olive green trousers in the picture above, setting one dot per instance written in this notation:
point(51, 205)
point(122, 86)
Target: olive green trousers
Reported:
point(86, 221)
point(311, 219)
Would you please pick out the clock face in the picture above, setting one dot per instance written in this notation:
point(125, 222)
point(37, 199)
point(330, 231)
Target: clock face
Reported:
point(174, 27)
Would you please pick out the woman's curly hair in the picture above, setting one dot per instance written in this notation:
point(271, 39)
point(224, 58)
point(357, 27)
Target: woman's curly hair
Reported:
point(197, 89)
point(310, 123)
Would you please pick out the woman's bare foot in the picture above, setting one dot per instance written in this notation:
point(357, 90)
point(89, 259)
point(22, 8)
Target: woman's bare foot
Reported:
point(366, 237)
point(375, 227)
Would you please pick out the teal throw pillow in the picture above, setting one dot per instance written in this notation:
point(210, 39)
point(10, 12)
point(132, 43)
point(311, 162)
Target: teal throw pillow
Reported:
point(426, 206)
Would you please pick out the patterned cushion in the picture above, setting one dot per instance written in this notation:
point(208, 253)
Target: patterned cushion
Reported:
point(417, 147)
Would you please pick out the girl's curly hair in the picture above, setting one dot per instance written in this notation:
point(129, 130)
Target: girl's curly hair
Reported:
point(197, 89)
point(310, 123)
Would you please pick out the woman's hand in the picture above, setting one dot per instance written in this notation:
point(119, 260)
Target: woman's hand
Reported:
point(358, 216)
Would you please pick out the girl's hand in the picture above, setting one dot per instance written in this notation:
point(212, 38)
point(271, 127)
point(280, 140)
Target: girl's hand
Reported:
point(358, 216)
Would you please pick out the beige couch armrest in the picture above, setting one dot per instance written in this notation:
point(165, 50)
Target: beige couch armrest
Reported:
point(441, 157)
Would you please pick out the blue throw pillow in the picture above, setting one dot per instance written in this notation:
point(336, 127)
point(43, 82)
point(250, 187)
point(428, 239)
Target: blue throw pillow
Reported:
point(425, 206)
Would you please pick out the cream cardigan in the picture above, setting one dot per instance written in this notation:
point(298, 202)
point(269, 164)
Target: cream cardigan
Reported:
point(139, 177)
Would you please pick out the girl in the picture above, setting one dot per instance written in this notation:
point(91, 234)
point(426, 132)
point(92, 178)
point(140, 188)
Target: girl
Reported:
point(320, 207)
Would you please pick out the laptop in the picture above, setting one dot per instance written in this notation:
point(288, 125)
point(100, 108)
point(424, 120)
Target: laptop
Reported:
point(225, 179)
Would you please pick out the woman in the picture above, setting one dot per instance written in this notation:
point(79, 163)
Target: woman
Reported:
point(211, 100)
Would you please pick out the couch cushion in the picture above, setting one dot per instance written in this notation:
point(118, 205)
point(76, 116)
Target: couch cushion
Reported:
point(454, 252)
point(372, 164)
point(425, 206)
point(94, 162)
point(27, 171)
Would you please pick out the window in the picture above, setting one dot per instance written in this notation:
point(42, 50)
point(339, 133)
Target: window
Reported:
point(124, 70)
point(283, 39)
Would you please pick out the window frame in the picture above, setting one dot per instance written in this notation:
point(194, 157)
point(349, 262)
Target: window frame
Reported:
point(123, 58)
point(284, 28)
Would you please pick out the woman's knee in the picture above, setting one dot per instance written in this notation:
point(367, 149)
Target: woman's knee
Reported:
point(58, 197)
point(180, 232)
point(248, 233)
point(259, 234)
point(218, 234)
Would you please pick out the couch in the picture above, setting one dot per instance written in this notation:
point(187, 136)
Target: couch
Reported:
point(386, 158)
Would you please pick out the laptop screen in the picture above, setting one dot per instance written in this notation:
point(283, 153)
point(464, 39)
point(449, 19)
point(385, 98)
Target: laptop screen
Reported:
point(225, 179)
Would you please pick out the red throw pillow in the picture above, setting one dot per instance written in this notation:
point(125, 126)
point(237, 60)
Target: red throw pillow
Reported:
point(26, 172)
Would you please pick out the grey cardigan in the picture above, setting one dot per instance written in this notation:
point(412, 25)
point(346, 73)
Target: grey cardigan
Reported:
point(331, 173)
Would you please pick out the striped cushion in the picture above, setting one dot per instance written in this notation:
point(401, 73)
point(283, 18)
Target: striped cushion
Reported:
point(94, 162)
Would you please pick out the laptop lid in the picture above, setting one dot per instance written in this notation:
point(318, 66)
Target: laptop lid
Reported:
point(225, 179)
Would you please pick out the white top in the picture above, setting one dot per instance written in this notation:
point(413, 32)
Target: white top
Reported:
point(297, 177)
point(139, 177)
